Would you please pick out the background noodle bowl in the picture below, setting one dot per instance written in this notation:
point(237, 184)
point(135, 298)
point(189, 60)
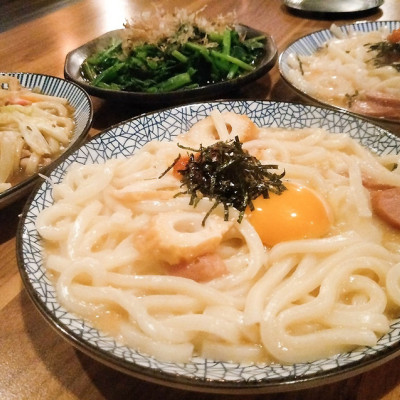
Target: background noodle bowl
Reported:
point(336, 67)
point(82, 119)
point(35, 127)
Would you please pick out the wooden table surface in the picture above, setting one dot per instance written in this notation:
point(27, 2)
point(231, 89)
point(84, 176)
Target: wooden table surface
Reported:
point(35, 362)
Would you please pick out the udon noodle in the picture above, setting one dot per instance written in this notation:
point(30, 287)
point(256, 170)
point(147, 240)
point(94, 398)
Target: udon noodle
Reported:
point(116, 231)
point(344, 72)
point(34, 129)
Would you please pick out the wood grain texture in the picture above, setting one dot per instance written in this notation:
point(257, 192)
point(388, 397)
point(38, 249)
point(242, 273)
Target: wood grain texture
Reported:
point(35, 362)
point(14, 12)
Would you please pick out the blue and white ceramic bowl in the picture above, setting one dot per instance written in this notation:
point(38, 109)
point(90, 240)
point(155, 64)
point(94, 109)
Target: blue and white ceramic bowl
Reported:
point(309, 44)
point(200, 374)
point(83, 116)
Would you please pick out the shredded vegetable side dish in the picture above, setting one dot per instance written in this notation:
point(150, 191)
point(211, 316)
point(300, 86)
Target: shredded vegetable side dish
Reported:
point(160, 52)
point(34, 129)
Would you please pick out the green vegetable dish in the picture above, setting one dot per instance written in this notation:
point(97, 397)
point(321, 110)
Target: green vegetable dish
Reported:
point(187, 53)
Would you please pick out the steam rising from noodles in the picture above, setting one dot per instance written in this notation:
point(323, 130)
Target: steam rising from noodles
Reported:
point(116, 233)
point(34, 129)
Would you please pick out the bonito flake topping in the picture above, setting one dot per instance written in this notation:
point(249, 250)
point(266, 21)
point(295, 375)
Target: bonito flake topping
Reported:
point(153, 27)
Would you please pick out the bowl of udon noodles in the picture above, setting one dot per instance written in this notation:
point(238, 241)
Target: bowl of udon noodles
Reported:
point(43, 119)
point(123, 251)
point(354, 67)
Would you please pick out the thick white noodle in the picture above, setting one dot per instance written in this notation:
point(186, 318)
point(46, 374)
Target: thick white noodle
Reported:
point(343, 69)
point(114, 230)
point(31, 134)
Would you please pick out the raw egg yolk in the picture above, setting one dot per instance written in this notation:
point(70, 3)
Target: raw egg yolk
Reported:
point(296, 213)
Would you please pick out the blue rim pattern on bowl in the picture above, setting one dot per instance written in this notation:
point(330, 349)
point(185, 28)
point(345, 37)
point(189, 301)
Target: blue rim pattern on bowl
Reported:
point(201, 375)
point(83, 116)
point(308, 44)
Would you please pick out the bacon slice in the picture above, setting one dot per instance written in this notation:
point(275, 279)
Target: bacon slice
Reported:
point(383, 99)
point(378, 104)
point(386, 204)
point(372, 185)
point(202, 269)
point(394, 37)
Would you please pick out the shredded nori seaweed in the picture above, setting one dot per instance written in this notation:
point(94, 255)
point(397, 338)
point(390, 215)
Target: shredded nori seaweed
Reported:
point(387, 54)
point(229, 175)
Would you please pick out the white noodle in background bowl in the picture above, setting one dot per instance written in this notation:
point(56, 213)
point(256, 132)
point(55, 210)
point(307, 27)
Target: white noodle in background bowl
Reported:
point(309, 44)
point(83, 115)
point(199, 374)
